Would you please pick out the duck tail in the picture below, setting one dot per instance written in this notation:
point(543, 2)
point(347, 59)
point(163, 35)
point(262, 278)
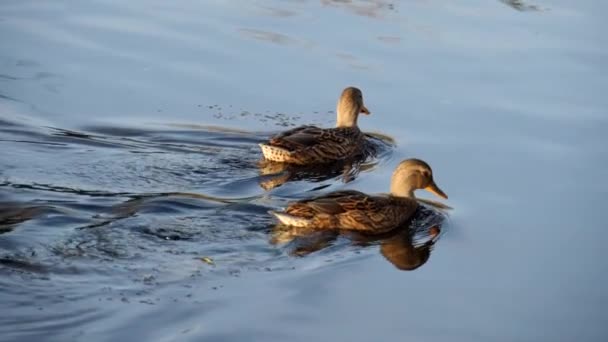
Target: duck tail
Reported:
point(291, 220)
point(274, 153)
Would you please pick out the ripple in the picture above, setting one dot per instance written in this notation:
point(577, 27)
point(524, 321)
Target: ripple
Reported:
point(521, 5)
point(267, 36)
point(115, 214)
point(173, 194)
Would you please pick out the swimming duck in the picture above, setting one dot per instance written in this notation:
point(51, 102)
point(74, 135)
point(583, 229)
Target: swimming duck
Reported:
point(307, 145)
point(354, 210)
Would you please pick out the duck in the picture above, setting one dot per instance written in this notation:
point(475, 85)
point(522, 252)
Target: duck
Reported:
point(357, 211)
point(310, 145)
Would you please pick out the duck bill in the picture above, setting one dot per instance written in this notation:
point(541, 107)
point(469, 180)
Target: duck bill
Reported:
point(434, 189)
point(364, 110)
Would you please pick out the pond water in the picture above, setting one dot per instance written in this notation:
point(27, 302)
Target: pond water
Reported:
point(132, 205)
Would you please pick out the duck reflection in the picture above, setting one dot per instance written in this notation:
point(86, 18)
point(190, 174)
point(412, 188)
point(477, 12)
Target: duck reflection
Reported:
point(276, 174)
point(14, 213)
point(407, 247)
point(401, 250)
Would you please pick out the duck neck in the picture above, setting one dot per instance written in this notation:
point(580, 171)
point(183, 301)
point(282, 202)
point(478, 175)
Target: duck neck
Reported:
point(346, 119)
point(403, 185)
point(402, 191)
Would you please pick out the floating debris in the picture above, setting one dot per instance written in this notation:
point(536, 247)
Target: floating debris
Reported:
point(208, 261)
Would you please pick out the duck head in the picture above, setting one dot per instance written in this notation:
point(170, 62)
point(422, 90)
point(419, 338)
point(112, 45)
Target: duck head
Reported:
point(411, 175)
point(349, 107)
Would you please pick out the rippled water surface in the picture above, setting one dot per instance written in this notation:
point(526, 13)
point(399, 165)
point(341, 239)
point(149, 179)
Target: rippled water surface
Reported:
point(133, 204)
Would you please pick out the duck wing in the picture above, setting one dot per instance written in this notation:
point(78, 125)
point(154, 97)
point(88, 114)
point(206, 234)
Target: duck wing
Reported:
point(298, 138)
point(336, 203)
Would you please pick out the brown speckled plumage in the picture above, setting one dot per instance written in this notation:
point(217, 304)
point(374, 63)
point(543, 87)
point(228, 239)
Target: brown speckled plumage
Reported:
point(354, 210)
point(313, 145)
point(358, 211)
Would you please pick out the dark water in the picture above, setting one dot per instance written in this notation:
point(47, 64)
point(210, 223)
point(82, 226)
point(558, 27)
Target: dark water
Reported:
point(132, 205)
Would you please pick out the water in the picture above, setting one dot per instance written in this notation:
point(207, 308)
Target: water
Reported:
point(132, 205)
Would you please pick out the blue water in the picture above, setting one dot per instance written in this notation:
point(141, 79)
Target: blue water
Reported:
point(131, 204)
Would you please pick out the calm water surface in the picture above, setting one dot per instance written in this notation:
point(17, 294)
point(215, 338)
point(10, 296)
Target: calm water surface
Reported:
point(132, 205)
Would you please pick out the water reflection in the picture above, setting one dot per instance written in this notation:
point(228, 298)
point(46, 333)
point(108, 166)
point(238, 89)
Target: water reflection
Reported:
point(267, 36)
point(367, 8)
point(401, 251)
point(12, 214)
point(520, 5)
point(276, 12)
point(389, 39)
point(276, 174)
